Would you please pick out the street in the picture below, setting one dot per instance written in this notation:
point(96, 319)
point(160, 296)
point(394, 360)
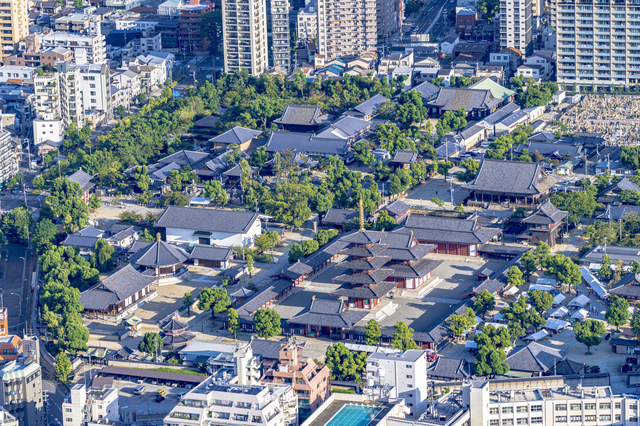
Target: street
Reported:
point(15, 287)
point(432, 20)
point(54, 397)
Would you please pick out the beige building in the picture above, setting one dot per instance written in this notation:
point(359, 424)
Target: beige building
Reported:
point(245, 36)
point(92, 404)
point(14, 21)
point(21, 392)
point(346, 28)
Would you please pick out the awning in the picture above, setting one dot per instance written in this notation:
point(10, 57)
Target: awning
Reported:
point(579, 301)
point(560, 312)
point(471, 345)
point(202, 234)
point(556, 324)
point(546, 281)
point(559, 299)
point(540, 287)
point(538, 335)
point(593, 282)
point(581, 314)
point(511, 291)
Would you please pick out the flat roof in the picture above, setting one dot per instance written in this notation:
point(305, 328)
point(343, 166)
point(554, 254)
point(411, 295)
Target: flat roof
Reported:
point(357, 415)
point(151, 374)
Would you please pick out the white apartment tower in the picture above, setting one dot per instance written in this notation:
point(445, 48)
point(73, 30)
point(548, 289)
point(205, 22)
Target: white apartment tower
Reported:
point(346, 27)
point(516, 25)
point(87, 405)
point(598, 43)
point(245, 36)
point(280, 34)
point(84, 93)
point(47, 124)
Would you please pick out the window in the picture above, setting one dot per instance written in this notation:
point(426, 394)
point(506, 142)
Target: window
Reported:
point(507, 422)
point(617, 417)
point(493, 410)
point(507, 410)
point(590, 406)
point(634, 406)
point(536, 408)
point(561, 419)
point(522, 409)
point(523, 421)
point(589, 418)
point(67, 410)
point(562, 407)
point(409, 366)
point(536, 420)
point(633, 419)
point(605, 406)
point(605, 417)
point(617, 405)
point(575, 407)
point(576, 418)
point(494, 422)
point(410, 386)
point(409, 376)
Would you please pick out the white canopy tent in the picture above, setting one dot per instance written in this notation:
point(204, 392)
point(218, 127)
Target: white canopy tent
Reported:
point(538, 335)
point(471, 345)
point(594, 283)
point(580, 314)
point(579, 302)
point(556, 324)
point(540, 287)
point(546, 281)
point(558, 299)
point(511, 291)
point(560, 312)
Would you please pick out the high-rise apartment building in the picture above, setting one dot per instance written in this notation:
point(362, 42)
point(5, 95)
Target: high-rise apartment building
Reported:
point(245, 36)
point(94, 404)
point(390, 15)
point(84, 93)
point(14, 25)
point(346, 27)
point(280, 34)
point(8, 168)
point(21, 392)
point(598, 43)
point(516, 25)
point(89, 48)
point(190, 14)
point(47, 124)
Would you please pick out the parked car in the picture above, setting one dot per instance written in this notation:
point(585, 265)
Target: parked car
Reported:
point(139, 390)
point(160, 398)
point(161, 392)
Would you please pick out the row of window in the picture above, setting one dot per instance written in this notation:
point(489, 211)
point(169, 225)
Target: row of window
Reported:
point(522, 421)
point(520, 409)
point(591, 406)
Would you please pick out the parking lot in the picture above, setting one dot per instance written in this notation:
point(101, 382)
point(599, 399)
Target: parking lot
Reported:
point(145, 404)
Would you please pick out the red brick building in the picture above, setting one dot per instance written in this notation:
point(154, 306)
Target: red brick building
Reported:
point(190, 16)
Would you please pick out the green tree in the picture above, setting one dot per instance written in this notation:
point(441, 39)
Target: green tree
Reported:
point(471, 167)
point(259, 158)
point(618, 313)
point(233, 322)
point(385, 222)
point(344, 364)
point(102, 257)
point(528, 263)
point(498, 338)
point(249, 260)
point(362, 153)
point(485, 302)
point(588, 332)
point(141, 176)
point(38, 182)
point(16, 224)
point(44, 235)
point(266, 241)
point(94, 202)
point(296, 252)
point(63, 366)
point(402, 337)
point(211, 27)
point(121, 110)
point(514, 276)
point(635, 322)
point(605, 271)
point(372, 333)
point(214, 299)
point(579, 204)
point(490, 362)
point(151, 343)
point(519, 319)
point(541, 300)
point(187, 300)
point(459, 324)
point(267, 323)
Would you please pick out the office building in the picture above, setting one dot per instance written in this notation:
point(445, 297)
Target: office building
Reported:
point(346, 28)
point(21, 392)
point(281, 50)
point(516, 25)
point(399, 375)
point(84, 405)
point(190, 13)
point(245, 36)
point(14, 16)
point(597, 44)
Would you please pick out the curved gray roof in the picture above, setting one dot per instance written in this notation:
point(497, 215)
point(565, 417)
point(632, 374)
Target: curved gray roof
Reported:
point(212, 220)
point(237, 135)
point(159, 254)
point(511, 177)
point(115, 288)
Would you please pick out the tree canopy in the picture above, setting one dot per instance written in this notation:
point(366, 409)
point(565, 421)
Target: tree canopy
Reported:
point(267, 323)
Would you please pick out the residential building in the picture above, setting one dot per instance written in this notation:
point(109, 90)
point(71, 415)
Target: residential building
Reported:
point(399, 375)
point(310, 382)
point(307, 23)
point(87, 48)
point(10, 347)
point(516, 25)
point(85, 94)
point(389, 17)
point(190, 14)
point(14, 15)
point(90, 405)
point(280, 34)
point(123, 4)
point(367, 109)
point(346, 28)
point(245, 36)
point(6, 419)
point(344, 409)
point(8, 163)
point(223, 228)
point(395, 60)
point(21, 392)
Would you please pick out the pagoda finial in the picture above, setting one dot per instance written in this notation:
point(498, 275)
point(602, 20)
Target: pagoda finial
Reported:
point(158, 236)
point(361, 215)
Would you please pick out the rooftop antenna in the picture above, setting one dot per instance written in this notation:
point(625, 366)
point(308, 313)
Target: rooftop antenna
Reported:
point(361, 215)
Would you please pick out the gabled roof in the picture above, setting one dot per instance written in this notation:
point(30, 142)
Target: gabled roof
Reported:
point(211, 253)
point(349, 126)
point(339, 216)
point(328, 313)
point(115, 288)
point(280, 141)
point(492, 286)
point(547, 213)
point(237, 135)
point(511, 177)
point(371, 105)
point(363, 237)
point(427, 90)
point(300, 115)
point(185, 158)
point(212, 220)
point(624, 183)
point(80, 241)
point(397, 207)
point(452, 99)
point(500, 114)
point(432, 228)
point(627, 286)
point(450, 368)
point(619, 212)
point(557, 149)
point(237, 170)
point(370, 278)
point(258, 300)
point(159, 254)
point(534, 358)
point(404, 157)
point(83, 179)
point(543, 137)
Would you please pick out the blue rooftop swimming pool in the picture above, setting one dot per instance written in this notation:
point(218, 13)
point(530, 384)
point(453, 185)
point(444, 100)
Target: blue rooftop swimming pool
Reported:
point(355, 415)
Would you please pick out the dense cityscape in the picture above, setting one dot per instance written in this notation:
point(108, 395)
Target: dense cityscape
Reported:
point(319, 212)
